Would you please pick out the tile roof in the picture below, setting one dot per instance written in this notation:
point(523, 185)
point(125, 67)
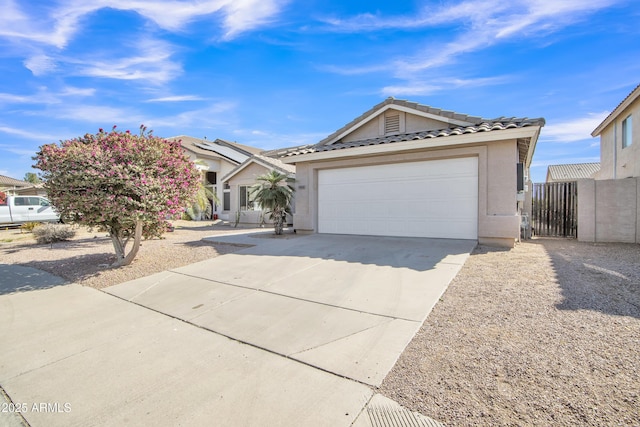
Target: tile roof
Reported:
point(445, 114)
point(481, 125)
point(271, 162)
point(571, 172)
point(635, 93)
point(6, 181)
point(276, 163)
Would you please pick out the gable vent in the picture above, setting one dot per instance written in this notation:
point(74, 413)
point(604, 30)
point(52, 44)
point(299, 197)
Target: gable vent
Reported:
point(392, 124)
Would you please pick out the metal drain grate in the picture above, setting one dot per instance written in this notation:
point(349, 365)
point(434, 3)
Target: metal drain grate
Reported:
point(381, 415)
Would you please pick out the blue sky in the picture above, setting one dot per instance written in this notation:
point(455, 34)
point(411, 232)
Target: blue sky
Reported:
point(273, 73)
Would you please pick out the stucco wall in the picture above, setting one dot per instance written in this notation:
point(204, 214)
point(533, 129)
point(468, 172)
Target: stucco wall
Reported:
point(498, 220)
point(625, 162)
point(408, 123)
point(609, 210)
point(247, 177)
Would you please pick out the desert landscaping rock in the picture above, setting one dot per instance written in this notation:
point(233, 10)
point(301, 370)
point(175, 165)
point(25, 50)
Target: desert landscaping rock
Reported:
point(86, 258)
point(547, 333)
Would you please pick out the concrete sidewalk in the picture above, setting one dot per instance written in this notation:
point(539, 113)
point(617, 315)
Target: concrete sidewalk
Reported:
point(289, 332)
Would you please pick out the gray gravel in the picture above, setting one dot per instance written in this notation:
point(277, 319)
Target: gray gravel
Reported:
point(545, 334)
point(86, 258)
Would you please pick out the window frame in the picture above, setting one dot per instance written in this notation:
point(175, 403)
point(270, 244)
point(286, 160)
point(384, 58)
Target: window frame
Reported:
point(627, 132)
point(244, 192)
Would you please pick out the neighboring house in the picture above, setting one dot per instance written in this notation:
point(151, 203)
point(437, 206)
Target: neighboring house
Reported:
point(238, 198)
point(609, 205)
point(32, 190)
point(571, 172)
point(11, 185)
point(216, 159)
point(405, 169)
point(620, 140)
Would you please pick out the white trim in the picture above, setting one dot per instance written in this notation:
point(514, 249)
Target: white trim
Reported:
point(401, 108)
point(443, 141)
point(247, 163)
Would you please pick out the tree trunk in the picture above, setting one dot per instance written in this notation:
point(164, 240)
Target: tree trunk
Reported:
point(277, 222)
point(123, 259)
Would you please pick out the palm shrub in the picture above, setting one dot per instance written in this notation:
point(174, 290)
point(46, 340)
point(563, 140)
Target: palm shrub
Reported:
point(201, 206)
point(273, 193)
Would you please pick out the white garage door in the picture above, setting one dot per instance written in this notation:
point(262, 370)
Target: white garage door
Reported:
point(437, 198)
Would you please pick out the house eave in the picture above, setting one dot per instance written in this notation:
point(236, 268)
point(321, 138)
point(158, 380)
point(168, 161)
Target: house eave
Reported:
point(455, 140)
point(635, 94)
point(244, 165)
point(402, 108)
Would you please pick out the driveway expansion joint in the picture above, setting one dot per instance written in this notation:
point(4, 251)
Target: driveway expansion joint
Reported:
point(239, 341)
point(296, 298)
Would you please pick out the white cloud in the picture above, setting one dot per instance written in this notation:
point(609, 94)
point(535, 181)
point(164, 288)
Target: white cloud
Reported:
point(40, 64)
point(271, 140)
point(57, 24)
point(578, 129)
point(246, 15)
point(420, 88)
point(27, 135)
point(44, 96)
point(474, 25)
point(104, 116)
point(217, 114)
point(19, 99)
point(77, 91)
point(153, 64)
point(176, 98)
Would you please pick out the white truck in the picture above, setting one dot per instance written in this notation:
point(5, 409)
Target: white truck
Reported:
point(16, 210)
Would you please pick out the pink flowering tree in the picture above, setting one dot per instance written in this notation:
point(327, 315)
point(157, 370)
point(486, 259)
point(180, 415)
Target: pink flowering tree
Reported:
point(125, 183)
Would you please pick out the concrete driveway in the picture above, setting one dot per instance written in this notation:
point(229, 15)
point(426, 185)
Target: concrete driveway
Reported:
point(292, 331)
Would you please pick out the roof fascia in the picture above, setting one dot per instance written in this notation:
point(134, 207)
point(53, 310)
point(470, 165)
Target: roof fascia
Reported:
point(615, 113)
point(532, 146)
point(247, 163)
point(399, 108)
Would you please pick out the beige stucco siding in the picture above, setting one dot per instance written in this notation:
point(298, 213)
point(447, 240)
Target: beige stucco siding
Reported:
point(498, 220)
point(416, 123)
point(408, 123)
point(371, 129)
point(617, 162)
point(246, 176)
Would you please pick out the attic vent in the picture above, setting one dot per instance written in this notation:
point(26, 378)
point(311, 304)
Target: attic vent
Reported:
point(392, 124)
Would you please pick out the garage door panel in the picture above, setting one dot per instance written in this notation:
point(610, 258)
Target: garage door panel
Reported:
point(437, 198)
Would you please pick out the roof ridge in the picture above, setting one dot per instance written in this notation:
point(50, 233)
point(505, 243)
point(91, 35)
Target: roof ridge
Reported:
point(405, 103)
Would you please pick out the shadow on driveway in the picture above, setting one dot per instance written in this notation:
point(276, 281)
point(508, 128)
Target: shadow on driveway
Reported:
point(417, 254)
point(17, 278)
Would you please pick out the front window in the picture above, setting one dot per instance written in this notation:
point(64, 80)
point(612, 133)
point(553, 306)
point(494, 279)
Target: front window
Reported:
point(247, 202)
point(626, 132)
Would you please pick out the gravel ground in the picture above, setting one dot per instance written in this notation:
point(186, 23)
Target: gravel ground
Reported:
point(545, 334)
point(86, 258)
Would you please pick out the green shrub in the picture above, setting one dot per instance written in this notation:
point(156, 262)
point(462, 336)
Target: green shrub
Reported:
point(29, 226)
point(50, 233)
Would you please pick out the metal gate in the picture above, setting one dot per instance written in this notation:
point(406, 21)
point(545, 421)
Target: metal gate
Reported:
point(555, 209)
